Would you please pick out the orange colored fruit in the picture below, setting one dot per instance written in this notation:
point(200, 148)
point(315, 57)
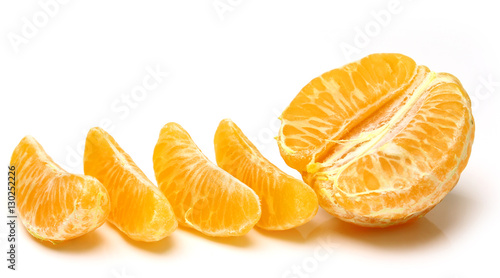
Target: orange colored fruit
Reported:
point(138, 208)
point(204, 196)
point(381, 140)
point(53, 204)
point(286, 201)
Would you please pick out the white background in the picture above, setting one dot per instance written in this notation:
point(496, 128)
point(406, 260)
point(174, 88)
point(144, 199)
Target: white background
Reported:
point(247, 62)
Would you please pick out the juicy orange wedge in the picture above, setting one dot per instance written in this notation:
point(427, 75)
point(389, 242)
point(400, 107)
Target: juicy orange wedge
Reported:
point(138, 208)
point(204, 196)
point(381, 140)
point(53, 204)
point(286, 201)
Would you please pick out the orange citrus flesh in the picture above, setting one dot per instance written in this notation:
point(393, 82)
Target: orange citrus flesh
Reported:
point(286, 201)
point(53, 204)
point(138, 208)
point(204, 196)
point(380, 140)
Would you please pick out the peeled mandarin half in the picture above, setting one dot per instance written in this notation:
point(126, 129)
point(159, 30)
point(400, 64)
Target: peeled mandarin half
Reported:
point(381, 140)
point(204, 196)
point(138, 208)
point(53, 204)
point(286, 201)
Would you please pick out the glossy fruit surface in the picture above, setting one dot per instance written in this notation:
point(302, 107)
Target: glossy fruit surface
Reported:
point(204, 196)
point(381, 140)
point(138, 208)
point(286, 201)
point(55, 205)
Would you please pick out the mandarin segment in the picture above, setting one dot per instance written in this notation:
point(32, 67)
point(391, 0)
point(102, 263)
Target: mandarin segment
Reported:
point(138, 208)
point(333, 103)
point(204, 196)
point(395, 162)
point(53, 204)
point(286, 202)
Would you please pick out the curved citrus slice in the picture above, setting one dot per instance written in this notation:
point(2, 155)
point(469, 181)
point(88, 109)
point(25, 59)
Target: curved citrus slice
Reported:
point(381, 140)
point(138, 208)
point(204, 196)
point(53, 204)
point(286, 202)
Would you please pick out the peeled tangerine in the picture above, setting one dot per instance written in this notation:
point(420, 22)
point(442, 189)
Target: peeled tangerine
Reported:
point(286, 201)
point(138, 208)
point(53, 204)
point(204, 196)
point(381, 140)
